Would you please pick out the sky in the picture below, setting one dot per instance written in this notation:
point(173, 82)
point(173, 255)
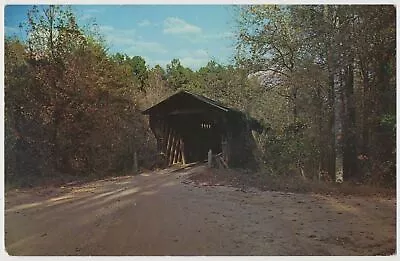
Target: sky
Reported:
point(194, 34)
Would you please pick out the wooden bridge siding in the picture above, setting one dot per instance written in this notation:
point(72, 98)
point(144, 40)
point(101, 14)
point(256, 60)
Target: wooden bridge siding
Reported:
point(169, 142)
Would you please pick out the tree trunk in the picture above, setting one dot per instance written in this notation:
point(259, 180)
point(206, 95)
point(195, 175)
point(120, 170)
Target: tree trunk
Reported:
point(381, 143)
point(321, 140)
point(294, 97)
point(338, 125)
point(349, 128)
point(329, 14)
point(331, 126)
point(366, 108)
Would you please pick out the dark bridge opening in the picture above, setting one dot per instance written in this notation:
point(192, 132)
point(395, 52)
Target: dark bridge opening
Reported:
point(199, 133)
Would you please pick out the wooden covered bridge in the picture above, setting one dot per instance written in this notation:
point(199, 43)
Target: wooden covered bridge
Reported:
point(188, 125)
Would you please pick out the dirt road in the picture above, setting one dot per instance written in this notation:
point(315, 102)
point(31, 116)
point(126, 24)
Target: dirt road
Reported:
point(159, 213)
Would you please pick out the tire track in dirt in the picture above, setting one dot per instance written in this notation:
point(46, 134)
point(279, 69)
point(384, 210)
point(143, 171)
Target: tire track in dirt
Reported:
point(160, 213)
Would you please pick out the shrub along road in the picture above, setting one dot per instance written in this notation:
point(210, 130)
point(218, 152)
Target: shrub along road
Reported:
point(161, 213)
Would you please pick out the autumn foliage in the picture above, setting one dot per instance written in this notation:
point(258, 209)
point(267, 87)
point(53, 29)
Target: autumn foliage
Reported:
point(73, 108)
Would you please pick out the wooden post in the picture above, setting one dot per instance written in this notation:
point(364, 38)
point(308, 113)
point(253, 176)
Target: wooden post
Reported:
point(168, 140)
point(162, 137)
point(183, 152)
point(169, 145)
point(176, 150)
point(171, 149)
point(165, 139)
point(225, 148)
point(179, 154)
point(210, 158)
point(135, 163)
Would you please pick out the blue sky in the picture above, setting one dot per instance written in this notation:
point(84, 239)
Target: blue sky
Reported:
point(192, 33)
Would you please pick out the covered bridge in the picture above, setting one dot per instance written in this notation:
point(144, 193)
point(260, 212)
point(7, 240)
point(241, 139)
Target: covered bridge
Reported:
point(188, 125)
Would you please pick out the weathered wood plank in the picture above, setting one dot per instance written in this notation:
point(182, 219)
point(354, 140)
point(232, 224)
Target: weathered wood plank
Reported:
point(171, 150)
point(166, 137)
point(176, 150)
point(179, 155)
point(162, 137)
point(169, 144)
point(182, 145)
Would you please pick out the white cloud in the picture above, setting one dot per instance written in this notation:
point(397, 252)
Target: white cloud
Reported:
point(194, 62)
point(154, 62)
point(112, 30)
point(174, 25)
point(144, 46)
point(193, 59)
point(190, 62)
point(127, 41)
point(116, 36)
point(207, 37)
point(144, 23)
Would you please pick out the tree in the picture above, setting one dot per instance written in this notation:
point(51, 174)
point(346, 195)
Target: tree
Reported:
point(139, 70)
point(320, 78)
point(273, 43)
point(317, 56)
point(269, 40)
point(133, 67)
point(22, 113)
point(375, 56)
point(53, 35)
point(177, 75)
point(61, 116)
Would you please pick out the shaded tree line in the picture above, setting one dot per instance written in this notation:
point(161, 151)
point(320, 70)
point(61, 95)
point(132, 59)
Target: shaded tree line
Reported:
point(333, 70)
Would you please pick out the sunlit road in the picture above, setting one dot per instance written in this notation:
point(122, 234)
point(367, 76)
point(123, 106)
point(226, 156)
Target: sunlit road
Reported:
point(158, 214)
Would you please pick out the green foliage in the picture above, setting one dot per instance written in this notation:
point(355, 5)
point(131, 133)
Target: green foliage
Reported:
point(178, 77)
point(304, 51)
point(287, 150)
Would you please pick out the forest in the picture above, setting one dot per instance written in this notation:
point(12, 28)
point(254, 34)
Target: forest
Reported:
point(321, 80)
